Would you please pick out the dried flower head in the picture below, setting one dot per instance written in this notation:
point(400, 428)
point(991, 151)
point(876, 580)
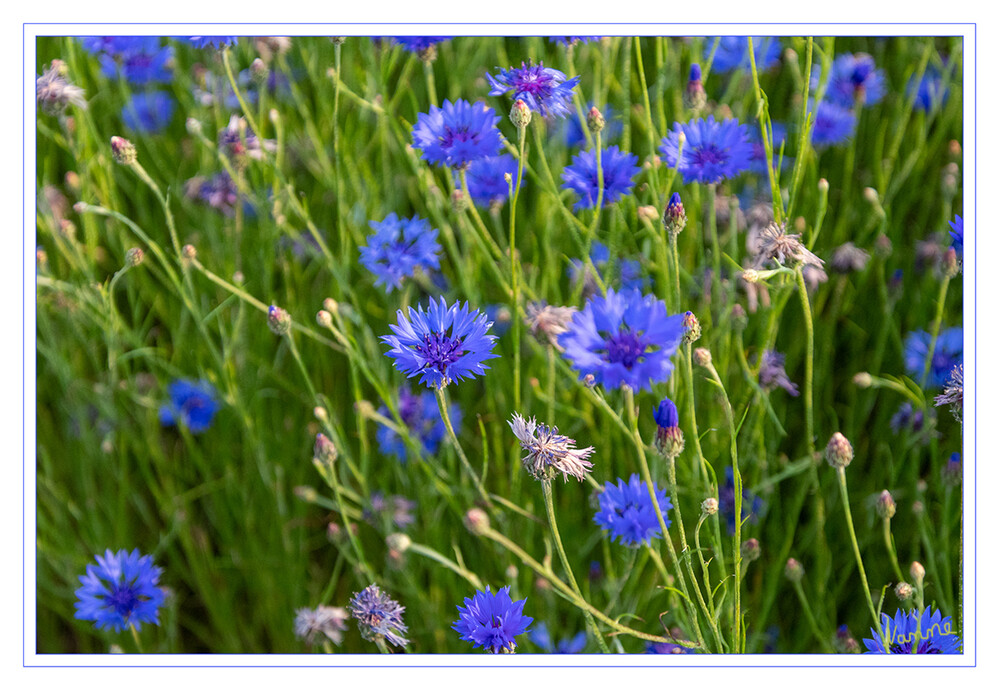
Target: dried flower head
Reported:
point(327, 621)
point(772, 374)
point(848, 258)
point(548, 322)
point(54, 92)
point(776, 245)
point(548, 451)
point(953, 394)
point(377, 614)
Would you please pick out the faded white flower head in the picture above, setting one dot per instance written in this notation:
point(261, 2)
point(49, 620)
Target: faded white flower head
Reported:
point(54, 92)
point(548, 451)
point(547, 322)
point(953, 393)
point(775, 244)
point(330, 621)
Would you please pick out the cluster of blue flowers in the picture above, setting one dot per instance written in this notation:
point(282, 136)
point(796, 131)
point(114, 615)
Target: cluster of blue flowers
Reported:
point(140, 61)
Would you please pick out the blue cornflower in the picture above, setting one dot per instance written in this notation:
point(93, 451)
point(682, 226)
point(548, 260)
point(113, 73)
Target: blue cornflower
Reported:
point(218, 42)
point(619, 169)
point(457, 134)
point(192, 404)
point(569, 40)
point(486, 178)
point(148, 112)
point(442, 344)
point(906, 417)
point(623, 338)
point(114, 45)
point(778, 137)
point(911, 633)
point(957, 233)
point(627, 511)
point(714, 151)
point(499, 314)
point(752, 504)
point(418, 44)
point(574, 129)
point(398, 247)
point(853, 78)
point(666, 648)
point(492, 620)
point(833, 124)
point(540, 636)
point(628, 270)
point(145, 63)
point(733, 53)
point(669, 438)
point(929, 91)
point(219, 192)
point(947, 354)
point(422, 417)
point(543, 89)
point(377, 614)
point(120, 591)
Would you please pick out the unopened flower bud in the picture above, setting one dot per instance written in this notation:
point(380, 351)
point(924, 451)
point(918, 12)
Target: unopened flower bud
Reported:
point(917, 571)
point(674, 217)
point(511, 572)
point(839, 452)
point(123, 150)
point(793, 570)
point(274, 115)
point(950, 265)
point(189, 252)
point(477, 521)
point(709, 506)
point(903, 590)
point(918, 508)
point(691, 328)
point(694, 96)
point(951, 473)
point(590, 380)
point(134, 257)
point(331, 305)
point(886, 505)
point(324, 318)
point(871, 195)
point(647, 213)
point(823, 185)
point(863, 380)
point(398, 542)
point(459, 202)
point(751, 550)
point(259, 72)
point(320, 413)
point(278, 320)
point(595, 120)
point(702, 357)
point(325, 451)
point(520, 114)
point(193, 126)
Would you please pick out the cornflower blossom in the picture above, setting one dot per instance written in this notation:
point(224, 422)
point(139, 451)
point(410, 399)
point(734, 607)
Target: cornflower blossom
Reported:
point(623, 339)
point(418, 44)
point(378, 616)
point(906, 417)
point(192, 404)
point(442, 344)
point(752, 505)
point(219, 191)
point(947, 354)
point(853, 79)
point(217, 42)
point(910, 632)
point(148, 112)
point(619, 170)
point(312, 625)
point(628, 274)
point(733, 53)
point(422, 417)
point(492, 620)
point(144, 61)
point(928, 91)
point(122, 590)
point(626, 511)
point(540, 636)
point(398, 509)
point(544, 90)
point(957, 233)
point(848, 258)
point(713, 151)
point(834, 124)
point(549, 452)
point(398, 248)
point(772, 374)
point(487, 178)
point(457, 134)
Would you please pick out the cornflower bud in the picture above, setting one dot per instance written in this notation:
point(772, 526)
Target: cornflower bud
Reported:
point(477, 521)
point(324, 318)
point(691, 328)
point(793, 570)
point(709, 506)
point(278, 320)
point(674, 217)
point(903, 590)
point(702, 357)
point(134, 257)
point(595, 120)
point(839, 452)
point(751, 550)
point(886, 505)
point(123, 150)
point(520, 114)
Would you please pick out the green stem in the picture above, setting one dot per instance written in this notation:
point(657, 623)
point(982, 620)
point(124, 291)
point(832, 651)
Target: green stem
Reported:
point(890, 545)
point(442, 406)
point(935, 332)
point(515, 269)
point(841, 475)
point(807, 608)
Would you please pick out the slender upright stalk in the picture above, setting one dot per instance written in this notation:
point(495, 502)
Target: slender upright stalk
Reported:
point(442, 406)
point(841, 475)
point(935, 331)
point(890, 545)
point(810, 616)
point(515, 268)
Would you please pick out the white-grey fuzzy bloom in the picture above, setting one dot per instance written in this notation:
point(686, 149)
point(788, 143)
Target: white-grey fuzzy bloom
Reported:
point(548, 322)
point(330, 621)
point(548, 451)
point(775, 244)
point(54, 92)
point(953, 394)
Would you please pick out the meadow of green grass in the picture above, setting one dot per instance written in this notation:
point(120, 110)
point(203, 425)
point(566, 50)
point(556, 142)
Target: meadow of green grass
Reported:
point(245, 527)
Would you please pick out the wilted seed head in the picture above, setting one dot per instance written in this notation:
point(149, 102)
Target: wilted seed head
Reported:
point(123, 151)
point(691, 328)
point(595, 120)
point(917, 571)
point(324, 318)
point(674, 217)
point(328, 621)
point(953, 394)
point(398, 542)
point(839, 452)
point(548, 322)
point(863, 380)
point(325, 451)
point(549, 452)
point(774, 244)
point(278, 320)
point(702, 357)
point(886, 505)
point(848, 258)
point(751, 550)
point(54, 93)
point(477, 521)
point(134, 257)
point(903, 590)
point(814, 276)
point(709, 506)
point(793, 571)
point(520, 114)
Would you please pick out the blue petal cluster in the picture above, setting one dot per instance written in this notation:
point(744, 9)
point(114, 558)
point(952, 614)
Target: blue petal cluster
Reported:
point(218, 42)
point(398, 247)
point(422, 417)
point(713, 151)
point(929, 91)
point(192, 404)
point(957, 233)
point(377, 614)
point(853, 78)
point(666, 414)
point(733, 53)
point(486, 178)
point(623, 338)
point(626, 510)
point(619, 170)
point(121, 590)
point(457, 134)
point(540, 636)
point(911, 633)
point(947, 354)
point(113, 45)
point(139, 60)
point(148, 112)
point(417, 44)
point(441, 344)
point(833, 124)
point(543, 89)
point(492, 621)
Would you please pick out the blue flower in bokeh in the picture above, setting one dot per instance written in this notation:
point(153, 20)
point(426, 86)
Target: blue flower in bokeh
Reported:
point(574, 129)
point(218, 42)
point(733, 53)
point(626, 510)
point(853, 79)
point(144, 63)
point(417, 44)
point(192, 404)
point(929, 91)
point(544, 90)
point(628, 271)
point(122, 590)
point(442, 344)
point(947, 354)
point(713, 151)
point(569, 40)
point(911, 633)
point(833, 124)
point(486, 178)
point(457, 134)
point(492, 620)
point(778, 138)
point(540, 636)
point(115, 45)
point(398, 248)
point(752, 505)
point(957, 233)
point(148, 112)
point(623, 338)
point(422, 417)
point(619, 170)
